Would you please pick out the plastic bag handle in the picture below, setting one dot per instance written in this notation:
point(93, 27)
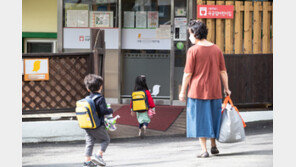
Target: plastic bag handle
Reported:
point(228, 100)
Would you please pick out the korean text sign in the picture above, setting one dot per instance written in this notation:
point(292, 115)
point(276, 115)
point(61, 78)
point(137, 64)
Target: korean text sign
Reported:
point(215, 11)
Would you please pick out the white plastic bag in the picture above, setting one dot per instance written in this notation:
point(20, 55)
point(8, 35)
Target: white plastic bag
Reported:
point(232, 125)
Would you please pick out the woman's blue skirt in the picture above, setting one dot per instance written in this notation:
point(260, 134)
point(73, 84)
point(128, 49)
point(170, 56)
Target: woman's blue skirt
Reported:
point(203, 118)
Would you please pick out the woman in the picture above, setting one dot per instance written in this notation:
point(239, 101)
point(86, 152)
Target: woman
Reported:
point(204, 66)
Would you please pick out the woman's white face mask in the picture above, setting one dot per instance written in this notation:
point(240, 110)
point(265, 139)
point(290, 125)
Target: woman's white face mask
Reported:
point(192, 38)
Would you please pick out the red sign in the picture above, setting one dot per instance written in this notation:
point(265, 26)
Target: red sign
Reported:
point(81, 38)
point(215, 11)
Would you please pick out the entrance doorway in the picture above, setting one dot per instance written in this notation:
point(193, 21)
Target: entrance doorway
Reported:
point(157, 52)
point(146, 45)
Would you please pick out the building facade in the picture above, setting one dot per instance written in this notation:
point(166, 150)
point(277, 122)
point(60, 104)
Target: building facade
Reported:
point(39, 26)
point(143, 37)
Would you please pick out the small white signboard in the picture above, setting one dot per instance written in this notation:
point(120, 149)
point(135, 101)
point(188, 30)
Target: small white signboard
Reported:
point(76, 38)
point(144, 39)
point(36, 69)
point(180, 29)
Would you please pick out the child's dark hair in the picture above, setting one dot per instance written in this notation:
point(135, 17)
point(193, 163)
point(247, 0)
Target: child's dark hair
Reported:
point(199, 29)
point(93, 82)
point(140, 83)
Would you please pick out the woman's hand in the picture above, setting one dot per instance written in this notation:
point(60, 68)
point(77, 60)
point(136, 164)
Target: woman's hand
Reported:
point(227, 92)
point(182, 96)
point(132, 113)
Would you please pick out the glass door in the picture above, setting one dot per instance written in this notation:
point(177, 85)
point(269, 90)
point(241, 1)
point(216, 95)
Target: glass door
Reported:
point(146, 45)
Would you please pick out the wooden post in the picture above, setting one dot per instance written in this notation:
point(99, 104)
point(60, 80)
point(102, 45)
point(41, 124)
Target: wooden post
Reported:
point(266, 28)
point(248, 27)
point(271, 38)
point(257, 28)
point(238, 28)
point(199, 2)
point(220, 30)
point(229, 33)
point(98, 46)
point(211, 26)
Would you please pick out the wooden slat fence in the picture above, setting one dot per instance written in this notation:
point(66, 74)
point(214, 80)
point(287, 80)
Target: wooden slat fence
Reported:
point(250, 32)
point(250, 78)
point(64, 87)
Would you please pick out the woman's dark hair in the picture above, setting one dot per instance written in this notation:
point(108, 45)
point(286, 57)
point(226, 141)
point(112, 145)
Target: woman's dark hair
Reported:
point(93, 82)
point(199, 29)
point(140, 83)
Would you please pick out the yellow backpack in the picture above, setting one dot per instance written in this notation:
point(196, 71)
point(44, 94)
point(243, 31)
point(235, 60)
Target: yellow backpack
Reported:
point(86, 113)
point(139, 101)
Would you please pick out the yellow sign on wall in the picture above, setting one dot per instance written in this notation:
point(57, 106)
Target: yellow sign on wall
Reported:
point(36, 69)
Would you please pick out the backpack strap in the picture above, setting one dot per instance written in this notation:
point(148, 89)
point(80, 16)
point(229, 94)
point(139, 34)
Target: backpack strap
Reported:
point(92, 101)
point(95, 97)
point(146, 99)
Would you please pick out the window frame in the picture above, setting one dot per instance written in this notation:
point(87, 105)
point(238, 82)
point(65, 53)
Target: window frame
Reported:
point(39, 40)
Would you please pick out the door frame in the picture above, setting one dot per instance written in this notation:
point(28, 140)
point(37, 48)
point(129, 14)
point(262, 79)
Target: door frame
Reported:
point(189, 15)
point(172, 53)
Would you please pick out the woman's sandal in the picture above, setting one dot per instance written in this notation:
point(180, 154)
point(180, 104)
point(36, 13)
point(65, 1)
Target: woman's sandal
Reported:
point(203, 155)
point(214, 150)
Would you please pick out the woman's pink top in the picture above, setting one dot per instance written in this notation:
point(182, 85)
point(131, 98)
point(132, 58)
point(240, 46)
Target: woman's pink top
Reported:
point(205, 63)
point(150, 100)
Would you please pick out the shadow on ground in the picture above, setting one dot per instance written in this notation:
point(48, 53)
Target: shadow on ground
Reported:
point(255, 152)
point(56, 165)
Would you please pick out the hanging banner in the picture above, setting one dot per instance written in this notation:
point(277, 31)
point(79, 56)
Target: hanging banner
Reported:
point(215, 11)
point(36, 69)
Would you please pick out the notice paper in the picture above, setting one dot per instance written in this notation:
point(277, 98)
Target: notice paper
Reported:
point(141, 19)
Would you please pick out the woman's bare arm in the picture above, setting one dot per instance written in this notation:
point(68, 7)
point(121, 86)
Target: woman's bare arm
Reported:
point(185, 81)
point(224, 77)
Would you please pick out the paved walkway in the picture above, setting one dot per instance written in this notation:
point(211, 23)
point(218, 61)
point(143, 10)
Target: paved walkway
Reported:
point(70, 130)
point(168, 151)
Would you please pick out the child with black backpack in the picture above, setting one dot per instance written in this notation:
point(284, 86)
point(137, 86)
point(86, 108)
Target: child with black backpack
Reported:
point(142, 102)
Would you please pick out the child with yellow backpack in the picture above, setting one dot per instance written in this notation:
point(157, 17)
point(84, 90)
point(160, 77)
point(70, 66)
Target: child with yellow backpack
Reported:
point(142, 104)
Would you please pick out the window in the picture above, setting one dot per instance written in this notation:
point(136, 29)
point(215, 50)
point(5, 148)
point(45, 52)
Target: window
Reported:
point(90, 13)
point(144, 14)
point(40, 46)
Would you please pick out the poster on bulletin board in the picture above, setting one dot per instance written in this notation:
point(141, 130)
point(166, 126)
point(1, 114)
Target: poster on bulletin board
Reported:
point(101, 19)
point(152, 19)
point(129, 19)
point(141, 19)
point(77, 18)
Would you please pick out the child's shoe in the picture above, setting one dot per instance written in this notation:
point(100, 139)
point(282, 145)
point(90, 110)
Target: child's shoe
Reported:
point(98, 160)
point(89, 164)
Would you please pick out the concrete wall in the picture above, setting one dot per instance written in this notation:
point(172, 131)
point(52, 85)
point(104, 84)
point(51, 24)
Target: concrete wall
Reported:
point(39, 15)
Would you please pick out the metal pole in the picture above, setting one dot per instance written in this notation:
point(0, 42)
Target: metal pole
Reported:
point(60, 26)
point(189, 10)
point(120, 61)
point(172, 52)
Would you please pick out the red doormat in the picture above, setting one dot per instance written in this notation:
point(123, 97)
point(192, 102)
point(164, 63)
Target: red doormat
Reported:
point(162, 120)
